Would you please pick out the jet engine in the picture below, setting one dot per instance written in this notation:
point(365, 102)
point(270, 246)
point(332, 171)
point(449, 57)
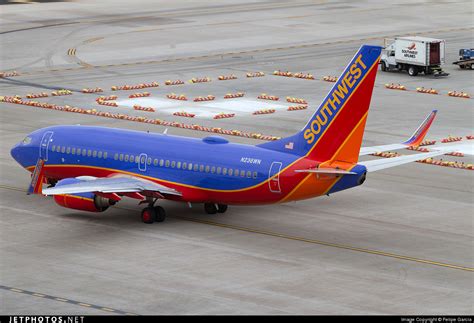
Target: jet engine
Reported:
point(82, 201)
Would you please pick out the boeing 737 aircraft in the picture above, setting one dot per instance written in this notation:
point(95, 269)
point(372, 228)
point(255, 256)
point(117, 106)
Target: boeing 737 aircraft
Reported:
point(92, 168)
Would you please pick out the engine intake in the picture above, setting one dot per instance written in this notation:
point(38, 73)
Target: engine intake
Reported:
point(82, 201)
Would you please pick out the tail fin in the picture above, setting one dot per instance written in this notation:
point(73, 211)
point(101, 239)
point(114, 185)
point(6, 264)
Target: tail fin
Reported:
point(335, 130)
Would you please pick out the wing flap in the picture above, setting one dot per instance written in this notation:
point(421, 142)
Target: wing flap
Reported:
point(127, 184)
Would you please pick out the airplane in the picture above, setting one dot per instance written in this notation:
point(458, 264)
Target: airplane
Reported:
point(91, 168)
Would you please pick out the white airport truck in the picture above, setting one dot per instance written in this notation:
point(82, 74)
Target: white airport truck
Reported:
point(414, 54)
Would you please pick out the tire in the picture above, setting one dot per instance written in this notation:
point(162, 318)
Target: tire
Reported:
point(210, 208)
point(412, 71)
point(221, 208)
point(160, 214)
point(400, 67)
point(383, 66)
point(148, 215)
point(462, 66)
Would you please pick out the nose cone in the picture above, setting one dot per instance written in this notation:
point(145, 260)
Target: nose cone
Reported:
point(15, 153)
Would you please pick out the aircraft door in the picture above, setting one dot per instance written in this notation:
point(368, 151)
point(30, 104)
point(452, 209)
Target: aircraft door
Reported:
point(142, 162)
point(274, 177)
point(44, 145)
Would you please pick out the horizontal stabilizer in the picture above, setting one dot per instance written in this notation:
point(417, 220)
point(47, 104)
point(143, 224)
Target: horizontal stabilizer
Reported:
point(325, 171)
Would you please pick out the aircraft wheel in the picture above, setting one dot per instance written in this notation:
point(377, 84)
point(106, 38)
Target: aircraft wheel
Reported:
point(148, 215)
point(160, 214)
point(221, 208)
point(210, 208)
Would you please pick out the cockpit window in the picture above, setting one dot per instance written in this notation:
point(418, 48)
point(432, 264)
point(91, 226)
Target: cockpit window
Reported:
point(26, 141)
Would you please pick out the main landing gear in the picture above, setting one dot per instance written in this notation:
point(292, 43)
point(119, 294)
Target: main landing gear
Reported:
point(211, 208)
point(153, 214)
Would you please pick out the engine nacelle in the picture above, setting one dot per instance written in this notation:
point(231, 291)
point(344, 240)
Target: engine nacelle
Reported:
point(82, 201)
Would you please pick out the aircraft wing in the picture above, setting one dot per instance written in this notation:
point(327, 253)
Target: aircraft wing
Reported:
point(467, 148)
point(122, 184)
point(379, 164)
point(414, 140)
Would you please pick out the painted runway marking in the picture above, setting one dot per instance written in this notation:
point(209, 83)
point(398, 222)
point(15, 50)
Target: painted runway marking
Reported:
point(325, 243)
point(260, 50)
point(301, 239)
point(64, 300)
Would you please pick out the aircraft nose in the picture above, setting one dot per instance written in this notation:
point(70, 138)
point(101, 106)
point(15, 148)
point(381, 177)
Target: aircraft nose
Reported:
point(15, 152)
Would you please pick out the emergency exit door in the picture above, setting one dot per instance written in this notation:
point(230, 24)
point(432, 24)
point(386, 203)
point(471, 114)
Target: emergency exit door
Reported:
point(142, 161)
point(274, 177)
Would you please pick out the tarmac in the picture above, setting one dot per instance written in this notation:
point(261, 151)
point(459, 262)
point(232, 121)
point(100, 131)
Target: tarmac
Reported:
point(402, 243)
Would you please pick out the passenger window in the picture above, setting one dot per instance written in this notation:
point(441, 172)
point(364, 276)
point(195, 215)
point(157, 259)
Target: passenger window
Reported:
point(105, 155)
point(231, 171)
point(162, 162)
point(132, 158)
point(236, 172)
point(196, 167)
point(63, 149)
point(178, 165)
point(121, 157)
point(73, 151)
point(201, 168)
point(254, 175)
point(84, 152)
point(207, 169)
point(89, 153)
point(249, 174)
point(190, 166)
point(213, 169)
point(148, 161)
point(242, 173)
point(126, 158)
point(99, 154)
point(185, 166)
point(167, 164)
point(68, 150)
point(139, 160)
point(155, 162)
point(94, 153)
point(173, 164)
point(53, 148)
point(115, 156)
point(224, 171)
point(218, 170)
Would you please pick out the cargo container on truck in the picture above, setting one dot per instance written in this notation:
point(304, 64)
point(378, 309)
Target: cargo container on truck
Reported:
point(414, 54)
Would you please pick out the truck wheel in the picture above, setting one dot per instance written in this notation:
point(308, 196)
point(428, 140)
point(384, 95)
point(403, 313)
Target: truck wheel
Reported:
point(400, 67)
point(383, 66)
point(462, 66)
point(412, 71)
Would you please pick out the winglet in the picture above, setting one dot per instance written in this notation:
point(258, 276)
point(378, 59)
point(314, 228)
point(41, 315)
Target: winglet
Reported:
point(36, 185)
point(422, 130)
